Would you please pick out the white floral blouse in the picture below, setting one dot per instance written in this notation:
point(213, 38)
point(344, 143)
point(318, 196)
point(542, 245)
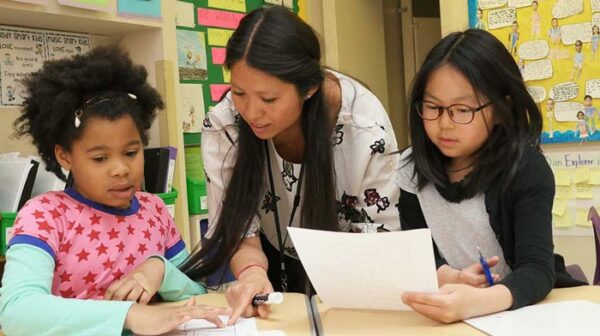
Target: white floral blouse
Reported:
point(363, 140)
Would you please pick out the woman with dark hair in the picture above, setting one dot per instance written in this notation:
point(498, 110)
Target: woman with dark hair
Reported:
point(476, 177)
point(292, 144)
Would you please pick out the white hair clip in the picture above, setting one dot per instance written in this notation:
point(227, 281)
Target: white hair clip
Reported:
point(132, 96)
point(78, 114)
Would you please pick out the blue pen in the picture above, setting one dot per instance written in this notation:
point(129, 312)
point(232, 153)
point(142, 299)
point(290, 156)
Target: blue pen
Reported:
point(486, 268)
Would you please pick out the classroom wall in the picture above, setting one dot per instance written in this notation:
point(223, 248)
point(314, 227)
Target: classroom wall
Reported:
point(576, 249)
point(9, 114)
point(355, 43)
point(453, 16)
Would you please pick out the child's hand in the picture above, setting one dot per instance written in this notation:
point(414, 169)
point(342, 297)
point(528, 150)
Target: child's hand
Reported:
point(140, 285)
point(474, 276)
point(454, 302)
point(240, 295)
point(157, 320)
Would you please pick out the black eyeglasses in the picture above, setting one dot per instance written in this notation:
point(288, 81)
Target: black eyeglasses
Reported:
point(459, 113)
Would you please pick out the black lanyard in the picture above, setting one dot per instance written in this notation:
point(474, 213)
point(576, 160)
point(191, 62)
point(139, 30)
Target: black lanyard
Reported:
point(281, 242)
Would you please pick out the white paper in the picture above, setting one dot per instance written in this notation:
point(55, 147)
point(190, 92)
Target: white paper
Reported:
point(13, 175)
point(271, 333)
point(575, 317)
point(367, 271)
point(200, 327)
point(44, 180)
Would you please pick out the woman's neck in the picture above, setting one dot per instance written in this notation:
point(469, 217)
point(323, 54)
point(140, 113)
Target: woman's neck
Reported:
point(290, 144)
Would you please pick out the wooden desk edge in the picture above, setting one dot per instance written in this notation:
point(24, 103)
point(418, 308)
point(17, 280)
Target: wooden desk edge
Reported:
point(556, 295)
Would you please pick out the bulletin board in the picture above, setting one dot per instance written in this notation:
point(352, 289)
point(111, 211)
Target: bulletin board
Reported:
point(555, 44)
point(203, 29)
point(577, 178)
point(24, 50)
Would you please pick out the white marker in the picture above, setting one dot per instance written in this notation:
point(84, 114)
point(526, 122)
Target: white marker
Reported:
point(270, 298)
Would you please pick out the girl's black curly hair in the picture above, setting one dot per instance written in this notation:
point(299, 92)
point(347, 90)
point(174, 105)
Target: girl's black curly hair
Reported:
point(98, 83)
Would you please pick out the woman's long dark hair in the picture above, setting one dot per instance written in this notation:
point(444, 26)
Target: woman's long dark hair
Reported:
point(277, 42)
point(493, 73)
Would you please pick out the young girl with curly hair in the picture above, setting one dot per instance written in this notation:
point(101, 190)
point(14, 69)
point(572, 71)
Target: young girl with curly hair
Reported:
point(87, 259)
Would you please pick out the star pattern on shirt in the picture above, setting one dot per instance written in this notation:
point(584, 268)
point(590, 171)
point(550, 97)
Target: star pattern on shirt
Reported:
point(108, 264)
point(82, 255)
point(95, 219)
point(90, 277)
point(104, 247)
point(65, 276)
point(79, 229)
point(94, 235)
point(55, 213)
point(65, 248)
point(101, 249)
point(38, 214)
point(44, 226)
point(113, 234)
point(147, 234)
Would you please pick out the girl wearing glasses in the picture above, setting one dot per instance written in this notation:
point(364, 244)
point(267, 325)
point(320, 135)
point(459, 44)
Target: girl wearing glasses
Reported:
point(475, 176)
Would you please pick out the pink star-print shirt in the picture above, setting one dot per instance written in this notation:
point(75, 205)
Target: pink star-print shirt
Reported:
point(94, 245)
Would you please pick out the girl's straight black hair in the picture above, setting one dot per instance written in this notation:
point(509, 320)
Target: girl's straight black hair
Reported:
point(277, 42)
point(494, 75)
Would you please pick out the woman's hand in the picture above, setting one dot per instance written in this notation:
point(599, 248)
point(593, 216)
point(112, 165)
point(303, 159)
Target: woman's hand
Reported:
point(472, 275)
point(140, 285)
point(157, 320)
point(239, 296)
point(456, 302)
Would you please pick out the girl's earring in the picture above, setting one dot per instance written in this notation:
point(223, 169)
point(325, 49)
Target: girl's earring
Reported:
point(307, 97)
point(78, 114)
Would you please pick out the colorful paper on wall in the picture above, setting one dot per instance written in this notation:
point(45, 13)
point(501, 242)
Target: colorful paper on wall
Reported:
point(562, 177)
point(234, 5)
point(556, 46)
point(582, 175)
point(184, 14)
point(595, 176)
point(289, 4)
point(583, 191)
point(146, 8)
point(218, 55)
point(217, 91)
point(564, 221)
point(226, 75)
point(218, 37)
point(559, 207)
point(192, 107)
point(218, 18)
point(99, 5)
point(62, 45)
point(581, 218)
point(565, 192)
point(191, 55)
point(23, 52)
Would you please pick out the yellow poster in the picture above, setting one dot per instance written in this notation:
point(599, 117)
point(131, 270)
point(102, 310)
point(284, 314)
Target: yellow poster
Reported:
point(234, 5)
point(218, 37)
point(555, 44)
